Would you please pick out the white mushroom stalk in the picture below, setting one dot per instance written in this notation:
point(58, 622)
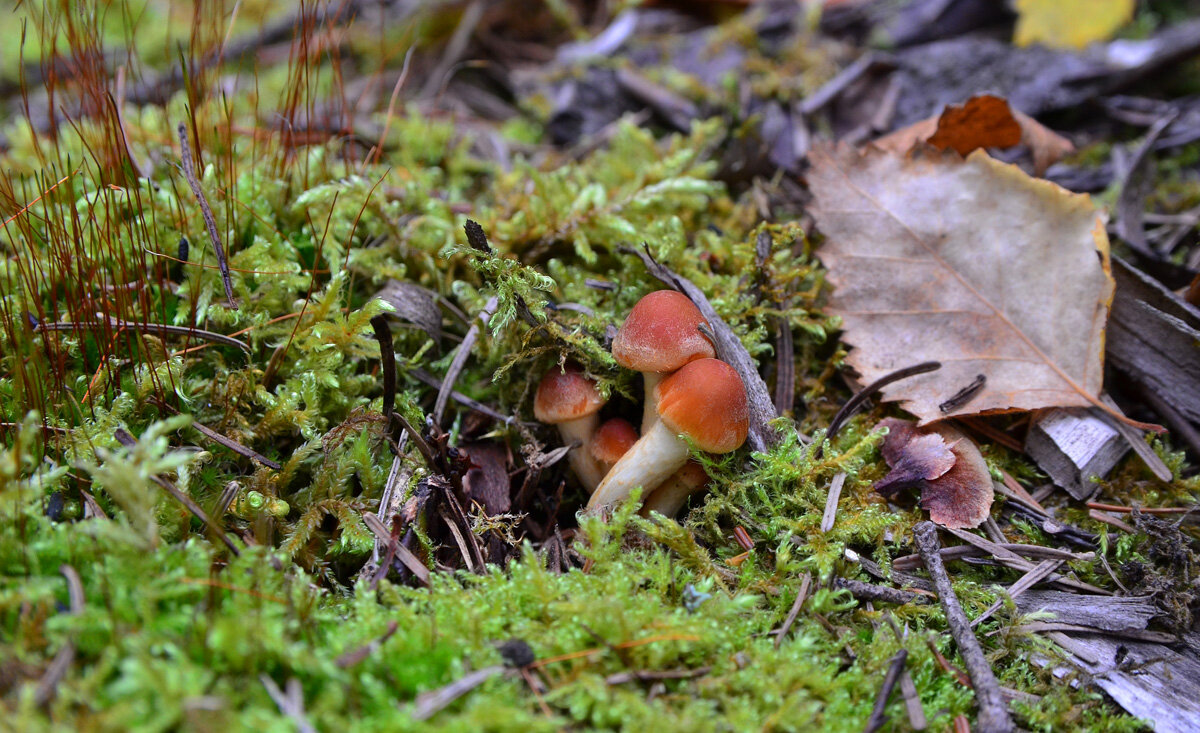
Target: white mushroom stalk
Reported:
point(670, 497)
point(652, 460)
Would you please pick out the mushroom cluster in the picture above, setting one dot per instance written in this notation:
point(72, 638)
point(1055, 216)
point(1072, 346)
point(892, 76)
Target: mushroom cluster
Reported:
point(692, 399)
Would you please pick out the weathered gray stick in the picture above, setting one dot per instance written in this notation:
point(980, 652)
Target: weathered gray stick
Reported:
point(993, 711)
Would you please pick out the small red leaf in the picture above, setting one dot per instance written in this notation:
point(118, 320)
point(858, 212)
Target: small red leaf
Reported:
point(956, 487)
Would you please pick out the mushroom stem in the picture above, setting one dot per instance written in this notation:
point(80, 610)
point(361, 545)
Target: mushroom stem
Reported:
point(585, 467)
point(648, 463)
point(670, 497)
point(650, 403)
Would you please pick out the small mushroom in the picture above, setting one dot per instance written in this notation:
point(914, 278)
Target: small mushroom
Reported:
point(706, 402)
point(660, 335)
point(612, 440)
point(670, 497)
point(569, 399)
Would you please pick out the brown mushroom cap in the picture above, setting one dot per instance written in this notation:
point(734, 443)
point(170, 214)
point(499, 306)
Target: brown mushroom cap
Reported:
point(706, 400)
point(613, 439)
point(565, 395)
point(660, 334)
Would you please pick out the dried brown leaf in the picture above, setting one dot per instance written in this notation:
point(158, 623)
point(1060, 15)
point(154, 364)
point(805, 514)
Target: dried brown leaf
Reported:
point(956, 488)
point(971, 263)
point(984, 121)
point(914, 457)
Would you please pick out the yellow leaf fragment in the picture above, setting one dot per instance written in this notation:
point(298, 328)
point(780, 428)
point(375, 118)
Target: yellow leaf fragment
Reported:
point(1069, 23)
point(971, 263)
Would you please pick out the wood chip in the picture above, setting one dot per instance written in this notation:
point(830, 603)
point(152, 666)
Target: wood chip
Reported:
point(1073, 447)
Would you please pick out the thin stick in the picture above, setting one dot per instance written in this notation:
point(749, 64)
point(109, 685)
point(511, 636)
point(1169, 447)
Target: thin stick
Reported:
point(993, 712)
point(1144, 510)
point(147, 328)
point(878, 717)
point(1027, 581)
point(411, 561)
point(801, 597)
point(865, 393)
point(66, 655)
point(291, 703)
point(210, 222)
point(235, 446)
point(124, 438)
point(460, 360)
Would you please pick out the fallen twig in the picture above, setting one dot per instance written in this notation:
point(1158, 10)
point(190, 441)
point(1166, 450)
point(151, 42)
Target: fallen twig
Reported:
point(865, 393)
point(621, 678)
point(430, 703)
point(1037, 552)
point(460, 359)
point(126, 439)
point(147, 328)
point(402, 553)
point(66, 655)
point(878, 717)
point(291, 703)
point(993, 712)
point(871, 592)
point(354, 656)
point(1014, 561)
point(801, 597)
point(1027, 581)
point(210, 223)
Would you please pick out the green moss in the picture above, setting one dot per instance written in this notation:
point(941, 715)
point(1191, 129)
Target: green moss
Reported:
point(174, 633)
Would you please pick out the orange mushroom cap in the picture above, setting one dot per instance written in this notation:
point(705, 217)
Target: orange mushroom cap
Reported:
point(660, 334)
point(706, 401)
point(565, 395)
point(614, 437)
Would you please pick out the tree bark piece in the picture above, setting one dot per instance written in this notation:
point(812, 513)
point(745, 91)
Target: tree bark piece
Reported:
point(1152, 336)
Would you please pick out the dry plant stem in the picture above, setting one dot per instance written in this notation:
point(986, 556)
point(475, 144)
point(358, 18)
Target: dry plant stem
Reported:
point(993, 711)
point(729, 349)
point(430, 703)
point(235, 446)
point(460, 360)
point(801, 597)
point(871, 592)
point(290, 704)
point(189, 171)
point(648, 463)
point(1144, 510)
point(126, 439)
point(150, 328)
point(66, 655)
point(387, 362)
point(865, 393)
point(402, 553)
point(425, 377)
point(220, 439)
point(354, 656)
point(878, 718)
